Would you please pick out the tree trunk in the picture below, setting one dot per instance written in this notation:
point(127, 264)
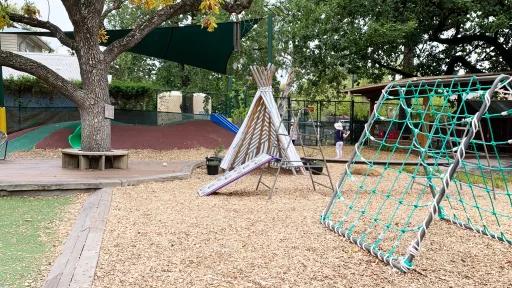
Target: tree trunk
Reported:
point(95, 127)
point(94, 70)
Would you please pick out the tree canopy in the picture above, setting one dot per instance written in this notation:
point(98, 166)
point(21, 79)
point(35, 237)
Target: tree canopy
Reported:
point(331, 39)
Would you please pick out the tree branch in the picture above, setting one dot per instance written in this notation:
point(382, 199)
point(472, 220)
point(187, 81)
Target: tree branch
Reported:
point(116, 5)
point(504, 53)
point(93, 9)
point(142, 29)
point(38, 70)
point(458, 59)
point(236, 6)
point(54, 29)
point(73, 9)
point(394, 69)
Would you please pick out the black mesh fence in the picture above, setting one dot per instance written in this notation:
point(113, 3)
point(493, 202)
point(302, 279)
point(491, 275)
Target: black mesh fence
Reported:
point(325, 113)
point(20, 118)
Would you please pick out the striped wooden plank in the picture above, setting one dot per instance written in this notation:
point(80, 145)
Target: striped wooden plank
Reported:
point(76, 265)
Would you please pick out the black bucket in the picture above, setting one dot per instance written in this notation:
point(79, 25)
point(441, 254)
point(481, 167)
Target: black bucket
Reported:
point(317, 170)
point(212, 165)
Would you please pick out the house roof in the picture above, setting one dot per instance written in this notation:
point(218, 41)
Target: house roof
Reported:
point(372, 92)
point(65, 65)
point(20, 32)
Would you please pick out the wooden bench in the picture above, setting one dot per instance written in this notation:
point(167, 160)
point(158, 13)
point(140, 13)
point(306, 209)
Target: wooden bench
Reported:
point(78, 159)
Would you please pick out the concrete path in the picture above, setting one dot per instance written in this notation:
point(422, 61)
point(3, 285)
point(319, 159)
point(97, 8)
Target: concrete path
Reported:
point(46, 175)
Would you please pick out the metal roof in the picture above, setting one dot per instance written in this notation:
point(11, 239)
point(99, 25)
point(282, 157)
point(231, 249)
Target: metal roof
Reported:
point(65, 65)
point(372, 92)
point(20, 32)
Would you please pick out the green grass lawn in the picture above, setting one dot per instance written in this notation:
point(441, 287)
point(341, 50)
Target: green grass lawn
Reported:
point(25, 235)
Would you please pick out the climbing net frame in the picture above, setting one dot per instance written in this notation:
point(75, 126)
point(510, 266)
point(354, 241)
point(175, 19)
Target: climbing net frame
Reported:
point(431, 150)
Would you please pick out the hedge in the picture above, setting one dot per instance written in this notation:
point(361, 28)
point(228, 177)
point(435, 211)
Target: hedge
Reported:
point(124, 94)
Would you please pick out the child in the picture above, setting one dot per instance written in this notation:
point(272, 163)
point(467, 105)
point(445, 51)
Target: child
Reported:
point(293, 132)
point(339, 137)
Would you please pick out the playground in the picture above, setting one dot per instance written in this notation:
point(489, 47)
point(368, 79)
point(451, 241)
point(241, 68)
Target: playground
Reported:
point(160, 233)
point(184, 163)
point(258, 223)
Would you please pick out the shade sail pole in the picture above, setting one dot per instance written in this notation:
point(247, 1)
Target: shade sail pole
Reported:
point(270, 35)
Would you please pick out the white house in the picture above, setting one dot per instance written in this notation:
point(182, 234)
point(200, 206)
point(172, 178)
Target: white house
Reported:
point(21, 42)
point(36, 49)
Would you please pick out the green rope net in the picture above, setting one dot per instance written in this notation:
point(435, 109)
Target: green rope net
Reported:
point(431, 150)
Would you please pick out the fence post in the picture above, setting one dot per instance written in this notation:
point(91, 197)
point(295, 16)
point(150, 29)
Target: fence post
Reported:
point(289, 103)
point(352, 139)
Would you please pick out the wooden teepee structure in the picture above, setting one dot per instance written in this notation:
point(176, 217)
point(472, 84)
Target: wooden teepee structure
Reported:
point(262, 130)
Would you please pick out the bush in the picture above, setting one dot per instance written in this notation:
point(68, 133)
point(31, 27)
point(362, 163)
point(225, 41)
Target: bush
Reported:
point(26, 84)
point(133, 95)
point(123, 94)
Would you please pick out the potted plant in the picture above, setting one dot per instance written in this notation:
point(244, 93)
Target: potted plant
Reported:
point(213, 162)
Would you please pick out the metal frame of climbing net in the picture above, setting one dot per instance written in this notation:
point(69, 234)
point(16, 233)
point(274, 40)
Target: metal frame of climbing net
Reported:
point(462, 175)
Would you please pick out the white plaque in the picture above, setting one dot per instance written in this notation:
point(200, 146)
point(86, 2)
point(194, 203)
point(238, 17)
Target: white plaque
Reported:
point(109, 111)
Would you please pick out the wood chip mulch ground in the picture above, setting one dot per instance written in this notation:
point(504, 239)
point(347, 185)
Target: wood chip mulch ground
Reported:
point(164, 235)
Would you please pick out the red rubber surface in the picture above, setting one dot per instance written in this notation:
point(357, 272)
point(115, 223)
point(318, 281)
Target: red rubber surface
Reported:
point(20, 133)
point(193, 134)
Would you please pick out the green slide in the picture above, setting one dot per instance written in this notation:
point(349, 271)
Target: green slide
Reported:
point(75, 139)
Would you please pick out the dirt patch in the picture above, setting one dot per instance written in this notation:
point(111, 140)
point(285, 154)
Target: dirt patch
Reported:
point(164, 235)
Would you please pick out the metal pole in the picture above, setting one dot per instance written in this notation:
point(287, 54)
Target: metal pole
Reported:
point(227, 100)
point(2, 98)
point(318, 115)
point(352, 119)
point(335, 111)
point(289, 112)
point(270, 35)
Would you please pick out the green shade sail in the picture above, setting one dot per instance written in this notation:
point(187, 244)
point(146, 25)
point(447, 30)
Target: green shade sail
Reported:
point(189, 45)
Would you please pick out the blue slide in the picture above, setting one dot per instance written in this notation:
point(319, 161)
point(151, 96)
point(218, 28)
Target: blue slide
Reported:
point(224, 122)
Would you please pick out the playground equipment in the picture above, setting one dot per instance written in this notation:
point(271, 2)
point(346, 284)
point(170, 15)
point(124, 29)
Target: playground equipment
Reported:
point(224, 122)
point(75, 139)
point(263, 131)
point(258, 133)
point(261, 138)
point(453, 129)
point(4, 141)
point(235, 174)
point(315, 165)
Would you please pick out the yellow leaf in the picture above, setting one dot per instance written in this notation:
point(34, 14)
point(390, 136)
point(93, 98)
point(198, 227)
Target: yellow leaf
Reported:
point(30, 10)
point(102, 35)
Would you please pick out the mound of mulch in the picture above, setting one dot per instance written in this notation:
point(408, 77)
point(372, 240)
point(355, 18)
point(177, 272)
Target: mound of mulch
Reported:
point(193, 134)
